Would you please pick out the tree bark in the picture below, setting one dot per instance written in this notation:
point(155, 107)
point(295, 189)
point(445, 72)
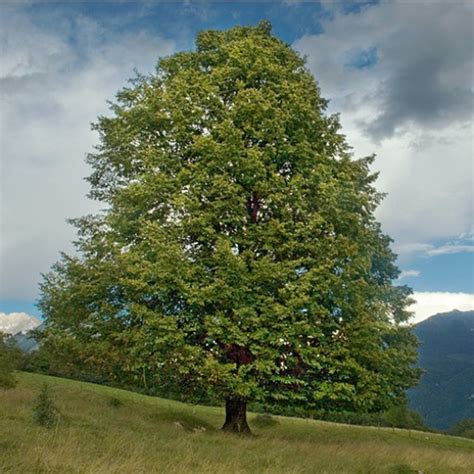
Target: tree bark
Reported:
point(253, 206)
point(236, 416)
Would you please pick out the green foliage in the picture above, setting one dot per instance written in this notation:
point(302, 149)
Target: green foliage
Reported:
point(238, 255)
point(463, 428)
point(401, 417)
point(10, 360)
point(394, 417)
point(45, 413)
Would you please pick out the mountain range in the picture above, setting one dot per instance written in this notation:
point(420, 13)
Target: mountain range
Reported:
point(25, 341)
point(445, 394)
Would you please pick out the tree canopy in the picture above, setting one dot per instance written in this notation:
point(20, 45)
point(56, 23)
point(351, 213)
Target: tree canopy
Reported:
point(238, 249)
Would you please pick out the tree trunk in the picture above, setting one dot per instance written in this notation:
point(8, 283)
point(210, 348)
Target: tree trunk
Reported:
point(236, 416)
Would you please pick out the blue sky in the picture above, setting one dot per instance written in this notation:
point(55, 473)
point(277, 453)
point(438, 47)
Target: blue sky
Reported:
point(399, 73)
point(181, 21)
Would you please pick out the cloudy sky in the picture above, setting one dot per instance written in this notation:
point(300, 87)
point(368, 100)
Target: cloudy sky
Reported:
point(399, 73)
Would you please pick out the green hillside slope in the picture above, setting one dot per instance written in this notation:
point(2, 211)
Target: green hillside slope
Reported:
point(104, 430)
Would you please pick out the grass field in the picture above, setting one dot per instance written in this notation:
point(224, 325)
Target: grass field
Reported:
point(106, 430)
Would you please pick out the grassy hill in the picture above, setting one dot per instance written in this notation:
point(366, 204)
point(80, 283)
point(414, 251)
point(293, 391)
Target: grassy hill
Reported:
point(104, 430)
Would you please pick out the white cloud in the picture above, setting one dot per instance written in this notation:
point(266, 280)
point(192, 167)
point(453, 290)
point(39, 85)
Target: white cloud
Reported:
point(12, 323)
point(450, 249)
point(429, 250)
point(54, 82)
point(416, 102)
point(431, 303)
point(409, 273)
point(412, 248)
point(467, 236)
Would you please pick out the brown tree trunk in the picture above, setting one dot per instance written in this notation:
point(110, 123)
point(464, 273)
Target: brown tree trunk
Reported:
point(253, 206)
point(236, 416)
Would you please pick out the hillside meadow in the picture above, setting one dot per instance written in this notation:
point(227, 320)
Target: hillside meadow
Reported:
point(107, 430)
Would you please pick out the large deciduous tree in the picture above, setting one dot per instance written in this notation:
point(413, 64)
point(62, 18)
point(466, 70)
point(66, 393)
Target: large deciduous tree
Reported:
point(238, 249)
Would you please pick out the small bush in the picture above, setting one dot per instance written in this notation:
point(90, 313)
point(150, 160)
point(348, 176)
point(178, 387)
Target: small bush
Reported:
point(45, 412)
point(464, 428)
point(115, 402)
point(396, 417)
point(401, 417)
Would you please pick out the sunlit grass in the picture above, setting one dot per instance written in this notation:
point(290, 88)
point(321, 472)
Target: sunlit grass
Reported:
point(104, 430)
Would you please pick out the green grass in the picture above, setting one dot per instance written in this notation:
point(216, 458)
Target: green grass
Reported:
point(106, 430)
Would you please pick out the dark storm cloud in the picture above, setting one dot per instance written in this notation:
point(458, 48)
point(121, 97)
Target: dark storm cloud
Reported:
point(430, 63)
point(410, 103)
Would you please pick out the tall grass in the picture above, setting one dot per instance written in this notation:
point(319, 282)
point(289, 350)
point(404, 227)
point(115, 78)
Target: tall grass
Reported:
point(106, 430)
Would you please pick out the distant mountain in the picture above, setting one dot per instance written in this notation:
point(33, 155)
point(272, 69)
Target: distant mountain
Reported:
point(445, 394)
point(25, 340)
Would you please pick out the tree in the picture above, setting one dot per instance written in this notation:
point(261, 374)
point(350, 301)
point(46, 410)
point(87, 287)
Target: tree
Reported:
point(10, 358)
point(238, 250)
point(463, 428)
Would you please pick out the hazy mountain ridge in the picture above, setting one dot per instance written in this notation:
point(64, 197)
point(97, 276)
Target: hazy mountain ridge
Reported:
point(445, 394)
point(26, 341)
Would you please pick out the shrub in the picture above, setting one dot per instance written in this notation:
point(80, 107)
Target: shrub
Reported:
point(464, 428)
point(395, 417)
point(401, 417)
point(115, 402)
point(45, 412)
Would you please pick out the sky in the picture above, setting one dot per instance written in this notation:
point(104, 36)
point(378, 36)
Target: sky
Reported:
point(400, 74)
